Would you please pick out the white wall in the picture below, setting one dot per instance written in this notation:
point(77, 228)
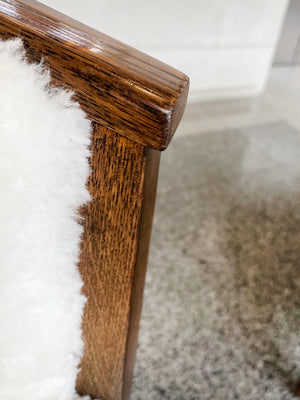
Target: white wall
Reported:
point(288, 48)
point(225, 46)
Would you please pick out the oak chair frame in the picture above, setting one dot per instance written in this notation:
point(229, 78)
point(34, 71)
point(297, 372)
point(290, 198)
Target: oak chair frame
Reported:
point(135, 104)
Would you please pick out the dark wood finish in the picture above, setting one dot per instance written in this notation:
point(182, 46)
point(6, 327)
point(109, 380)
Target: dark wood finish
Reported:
point(135, 104)
point(113, 259)
point(118, 86)
point(297, 392)
point(147, 209)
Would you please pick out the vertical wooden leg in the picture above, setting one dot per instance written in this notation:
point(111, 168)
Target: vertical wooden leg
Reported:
point(113, 260)
point(147, 209)
point(297, 393)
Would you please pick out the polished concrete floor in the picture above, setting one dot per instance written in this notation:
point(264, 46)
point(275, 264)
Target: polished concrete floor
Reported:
point(221, 315)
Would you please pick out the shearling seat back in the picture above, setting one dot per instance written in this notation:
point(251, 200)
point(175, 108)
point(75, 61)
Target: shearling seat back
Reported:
point(134, 104)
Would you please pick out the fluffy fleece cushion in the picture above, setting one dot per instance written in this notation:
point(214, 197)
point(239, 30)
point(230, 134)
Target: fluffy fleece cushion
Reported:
point(44, 141)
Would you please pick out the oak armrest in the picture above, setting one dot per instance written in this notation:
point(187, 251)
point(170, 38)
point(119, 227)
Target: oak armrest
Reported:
point(119, 87)
point(135, 104)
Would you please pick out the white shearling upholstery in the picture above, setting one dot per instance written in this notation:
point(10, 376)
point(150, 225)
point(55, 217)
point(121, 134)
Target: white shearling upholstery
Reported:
point(44, 145)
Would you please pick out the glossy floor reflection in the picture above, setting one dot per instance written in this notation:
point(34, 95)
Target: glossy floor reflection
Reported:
point(221, 316)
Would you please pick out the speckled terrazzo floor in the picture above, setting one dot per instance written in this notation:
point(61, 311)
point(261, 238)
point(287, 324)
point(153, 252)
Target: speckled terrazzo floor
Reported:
point(221, 315)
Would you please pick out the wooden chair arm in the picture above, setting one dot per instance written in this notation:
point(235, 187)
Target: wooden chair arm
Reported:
point(135, 104)
point(119, 87)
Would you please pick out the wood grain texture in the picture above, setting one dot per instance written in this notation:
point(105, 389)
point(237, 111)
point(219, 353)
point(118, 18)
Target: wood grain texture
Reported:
point(147, 210)
point(118, 86)
point(113, 260)
point(135, 104)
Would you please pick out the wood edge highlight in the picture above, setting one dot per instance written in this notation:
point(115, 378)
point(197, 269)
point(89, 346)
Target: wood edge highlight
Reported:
point(136, 300)
point(153, 92)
